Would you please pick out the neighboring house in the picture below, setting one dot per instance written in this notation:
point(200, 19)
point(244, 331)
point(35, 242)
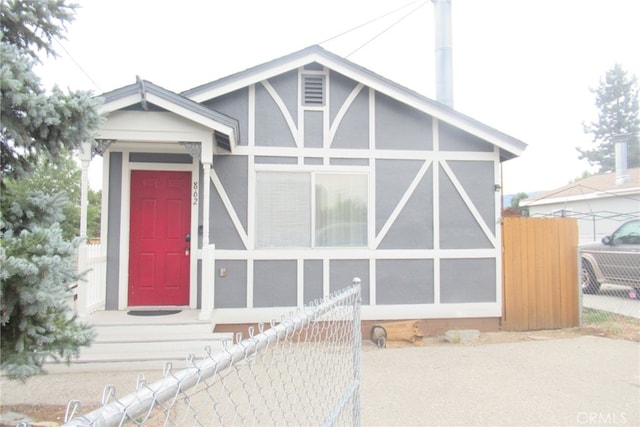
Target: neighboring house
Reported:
point(600, 203)
point(272, 187)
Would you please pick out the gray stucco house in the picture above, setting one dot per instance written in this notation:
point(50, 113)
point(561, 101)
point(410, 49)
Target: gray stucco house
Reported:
point(274, 186)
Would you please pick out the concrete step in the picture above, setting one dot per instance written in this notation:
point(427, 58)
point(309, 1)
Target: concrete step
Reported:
point(146, 351)
point(147, 333)
point(124, 338)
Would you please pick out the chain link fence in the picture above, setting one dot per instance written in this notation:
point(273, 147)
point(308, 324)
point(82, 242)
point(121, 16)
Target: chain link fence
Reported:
point(610, 280)
point(592, 225)
point(304, 370)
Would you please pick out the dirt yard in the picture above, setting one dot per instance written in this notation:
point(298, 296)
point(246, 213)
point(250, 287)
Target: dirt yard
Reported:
point(631, 332)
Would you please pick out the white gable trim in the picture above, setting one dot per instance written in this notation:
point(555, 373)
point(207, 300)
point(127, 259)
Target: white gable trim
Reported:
point(116, 105)
point(369, 79)
point(153, 126)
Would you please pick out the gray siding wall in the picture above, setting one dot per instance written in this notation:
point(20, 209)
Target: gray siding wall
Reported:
point(402, 221)
point(233, 173)
point(234, 104)
point(458, 228)
point(274, 283)
point(271, 126)
point(404, 281)
point(468, 280)
point(342, 272)
point(397, 127)
point(113, 234)
point(160, 158)
point(231, 290)
point(414, 227)
point(312, 280)
point(400, 127)
point(454, 139)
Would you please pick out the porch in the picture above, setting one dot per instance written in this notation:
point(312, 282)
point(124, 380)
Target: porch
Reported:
point(89, 294)
point(162, 336)
point(152, 334)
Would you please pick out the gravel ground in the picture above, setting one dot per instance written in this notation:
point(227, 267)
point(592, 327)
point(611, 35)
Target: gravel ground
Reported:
point(557, 382)
point(552, 378)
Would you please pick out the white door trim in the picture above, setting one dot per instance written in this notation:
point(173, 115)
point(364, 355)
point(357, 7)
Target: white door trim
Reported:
point(125, 212)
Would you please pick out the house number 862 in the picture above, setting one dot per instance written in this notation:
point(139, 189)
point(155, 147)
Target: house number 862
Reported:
point(194, 193)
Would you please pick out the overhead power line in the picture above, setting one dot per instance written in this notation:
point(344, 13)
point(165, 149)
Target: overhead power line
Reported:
point(78, 65)
point(422, 3)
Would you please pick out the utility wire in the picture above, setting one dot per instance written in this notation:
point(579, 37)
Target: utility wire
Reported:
point(423, 2)
point(78, 65)
point(374, 20)
point(386, 29)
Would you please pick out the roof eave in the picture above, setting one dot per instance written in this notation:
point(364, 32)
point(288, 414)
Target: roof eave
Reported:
point(144, 91)
point(509, 147)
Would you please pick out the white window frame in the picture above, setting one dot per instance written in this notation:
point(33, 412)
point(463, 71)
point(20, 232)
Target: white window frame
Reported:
point(312, 227)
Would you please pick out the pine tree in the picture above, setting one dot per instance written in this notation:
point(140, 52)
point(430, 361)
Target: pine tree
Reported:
point(617, 101)
point(64, 175)
point(38, 263)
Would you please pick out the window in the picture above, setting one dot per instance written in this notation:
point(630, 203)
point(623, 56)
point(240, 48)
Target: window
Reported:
point(627, 234)
point(285, 216)
point(341, 210)
point(283, 209)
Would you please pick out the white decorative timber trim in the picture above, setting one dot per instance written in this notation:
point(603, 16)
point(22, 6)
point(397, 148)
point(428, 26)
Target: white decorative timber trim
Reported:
point(402, 203)
point(343, 110)
point(229, 206)
point(470, 205)
point(284, 110)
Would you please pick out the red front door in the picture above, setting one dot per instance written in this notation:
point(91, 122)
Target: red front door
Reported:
point(160, 223)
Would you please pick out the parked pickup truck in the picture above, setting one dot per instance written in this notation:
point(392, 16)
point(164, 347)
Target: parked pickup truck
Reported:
point(614, 261)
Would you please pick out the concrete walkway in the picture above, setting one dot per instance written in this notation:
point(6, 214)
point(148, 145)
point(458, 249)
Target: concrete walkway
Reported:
point(556, 382)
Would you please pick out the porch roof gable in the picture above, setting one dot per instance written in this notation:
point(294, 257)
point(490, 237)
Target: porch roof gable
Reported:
point(144, 93)
point(509, 146)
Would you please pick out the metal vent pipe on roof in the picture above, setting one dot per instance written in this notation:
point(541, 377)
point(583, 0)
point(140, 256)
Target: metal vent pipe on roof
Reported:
point(621, 159)
point(443, 51)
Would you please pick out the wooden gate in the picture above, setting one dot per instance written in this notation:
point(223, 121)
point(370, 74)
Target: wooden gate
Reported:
point(540, 273)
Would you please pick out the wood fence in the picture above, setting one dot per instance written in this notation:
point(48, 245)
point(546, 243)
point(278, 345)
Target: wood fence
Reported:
point(540, 273)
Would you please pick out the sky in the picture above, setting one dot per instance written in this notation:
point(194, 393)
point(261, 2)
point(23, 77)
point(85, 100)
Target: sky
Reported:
point(524, 67)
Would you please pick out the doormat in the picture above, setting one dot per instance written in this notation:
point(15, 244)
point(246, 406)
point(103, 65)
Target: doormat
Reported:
point(152, 312)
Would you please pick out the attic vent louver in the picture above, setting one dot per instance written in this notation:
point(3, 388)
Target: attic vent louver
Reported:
point(222, 140)
point(313, 89)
